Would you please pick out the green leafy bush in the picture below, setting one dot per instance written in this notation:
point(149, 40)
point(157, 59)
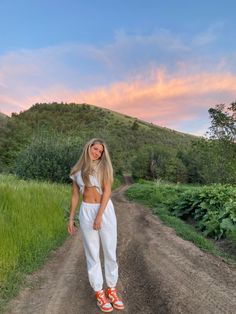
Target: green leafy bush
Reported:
point(212, 207)
point(49, 159)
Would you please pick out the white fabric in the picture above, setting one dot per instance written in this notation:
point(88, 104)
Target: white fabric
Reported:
point(77, 177)
point(108, 236)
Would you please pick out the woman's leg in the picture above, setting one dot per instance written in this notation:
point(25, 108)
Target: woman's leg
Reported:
point(108, 234)
point(91, 244)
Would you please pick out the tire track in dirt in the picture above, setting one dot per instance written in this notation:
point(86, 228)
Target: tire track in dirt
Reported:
point(159, 273)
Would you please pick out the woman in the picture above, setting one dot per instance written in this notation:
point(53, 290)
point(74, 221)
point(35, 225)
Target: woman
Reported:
point(92, 177)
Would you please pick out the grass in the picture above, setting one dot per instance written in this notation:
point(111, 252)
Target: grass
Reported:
point(32, 223)
point(157, 196)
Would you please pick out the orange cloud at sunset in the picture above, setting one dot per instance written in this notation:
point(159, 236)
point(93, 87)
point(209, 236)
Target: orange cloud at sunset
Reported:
point(161, 98)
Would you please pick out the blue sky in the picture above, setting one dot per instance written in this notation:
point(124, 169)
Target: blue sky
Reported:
point(165, 62)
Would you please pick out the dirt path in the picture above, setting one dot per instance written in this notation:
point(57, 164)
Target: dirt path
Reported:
point(159, 273)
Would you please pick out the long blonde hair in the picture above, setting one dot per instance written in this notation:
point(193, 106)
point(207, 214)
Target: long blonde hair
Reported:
point(102, 167)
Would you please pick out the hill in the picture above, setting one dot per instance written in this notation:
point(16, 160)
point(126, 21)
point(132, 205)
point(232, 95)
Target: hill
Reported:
point(126, 136)
point(3, 118)
point(3, 115)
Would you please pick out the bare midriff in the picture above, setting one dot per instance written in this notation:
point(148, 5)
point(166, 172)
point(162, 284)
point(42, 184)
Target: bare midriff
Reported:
point(91, 195)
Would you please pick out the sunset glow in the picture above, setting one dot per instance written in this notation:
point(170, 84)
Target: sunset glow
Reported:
point(165, 75)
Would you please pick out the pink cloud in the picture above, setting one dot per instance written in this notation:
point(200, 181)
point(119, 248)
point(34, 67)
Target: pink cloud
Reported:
point(164, 99)
point(157, 78)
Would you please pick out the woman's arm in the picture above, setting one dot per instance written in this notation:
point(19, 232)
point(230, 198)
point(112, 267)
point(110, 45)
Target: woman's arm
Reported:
point(74, 203)
point(105, 198)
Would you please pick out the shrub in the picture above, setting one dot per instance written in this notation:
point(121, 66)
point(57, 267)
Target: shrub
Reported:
point(49, 159)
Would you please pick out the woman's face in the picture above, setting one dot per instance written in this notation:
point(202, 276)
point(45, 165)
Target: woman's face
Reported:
point(96, 151)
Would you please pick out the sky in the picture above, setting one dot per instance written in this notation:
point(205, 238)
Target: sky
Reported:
point(165, 62)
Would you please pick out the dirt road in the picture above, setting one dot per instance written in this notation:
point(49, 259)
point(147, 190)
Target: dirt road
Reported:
point(159, 273)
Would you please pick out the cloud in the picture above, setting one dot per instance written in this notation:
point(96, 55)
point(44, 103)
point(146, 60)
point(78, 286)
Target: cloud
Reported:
point(210, 35)
point(159, 77)
point(164, 100)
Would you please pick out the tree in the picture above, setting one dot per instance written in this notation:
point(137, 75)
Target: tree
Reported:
point(158, 162)
point(212, 159)
point(223, 122)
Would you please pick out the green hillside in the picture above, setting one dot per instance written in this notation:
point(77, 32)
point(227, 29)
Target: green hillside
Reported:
point(3, 118)
point(71, 118)
point(3, 115)
point(125, 135)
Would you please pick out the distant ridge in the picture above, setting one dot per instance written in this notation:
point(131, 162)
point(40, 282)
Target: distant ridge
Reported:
point(115, 113)
point(3, 119)
point(137, 119)
point(3, 115)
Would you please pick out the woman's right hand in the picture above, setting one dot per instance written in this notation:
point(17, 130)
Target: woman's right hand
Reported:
point(71, 227)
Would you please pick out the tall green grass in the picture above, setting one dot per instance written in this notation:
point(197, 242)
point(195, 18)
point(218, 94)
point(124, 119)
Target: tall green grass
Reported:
point(32, 223)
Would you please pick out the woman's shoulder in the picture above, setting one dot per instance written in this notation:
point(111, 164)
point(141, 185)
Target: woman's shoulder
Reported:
point(77, 172)
point(75, 175)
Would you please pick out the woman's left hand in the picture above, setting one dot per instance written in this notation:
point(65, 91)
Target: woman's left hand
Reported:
point(97, 223)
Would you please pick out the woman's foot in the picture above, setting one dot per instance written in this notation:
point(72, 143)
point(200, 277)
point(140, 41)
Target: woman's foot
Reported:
point(102, 302)
point(115, 300)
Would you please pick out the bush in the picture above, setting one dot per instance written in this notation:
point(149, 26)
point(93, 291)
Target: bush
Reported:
point(212, 207)
point(48, 159)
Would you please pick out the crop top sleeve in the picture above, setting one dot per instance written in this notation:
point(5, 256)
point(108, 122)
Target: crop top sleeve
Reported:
point(77, 177)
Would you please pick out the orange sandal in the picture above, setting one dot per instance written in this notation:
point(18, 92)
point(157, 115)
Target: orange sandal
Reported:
point(112, 296)
point(102, 302)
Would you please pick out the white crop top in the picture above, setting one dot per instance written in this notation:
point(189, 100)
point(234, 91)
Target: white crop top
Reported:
point(79, 180)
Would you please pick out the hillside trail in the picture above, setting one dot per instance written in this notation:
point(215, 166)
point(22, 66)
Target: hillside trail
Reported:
point(159, 273)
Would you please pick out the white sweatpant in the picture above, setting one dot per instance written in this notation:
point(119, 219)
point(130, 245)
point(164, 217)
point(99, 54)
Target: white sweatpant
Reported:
point(91, 242)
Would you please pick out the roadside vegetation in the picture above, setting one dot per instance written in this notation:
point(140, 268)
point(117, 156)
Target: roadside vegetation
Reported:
point(32, 223)
point(197, 213)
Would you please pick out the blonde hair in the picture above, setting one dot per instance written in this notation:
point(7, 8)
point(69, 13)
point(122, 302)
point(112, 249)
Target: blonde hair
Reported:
point(102, 166)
